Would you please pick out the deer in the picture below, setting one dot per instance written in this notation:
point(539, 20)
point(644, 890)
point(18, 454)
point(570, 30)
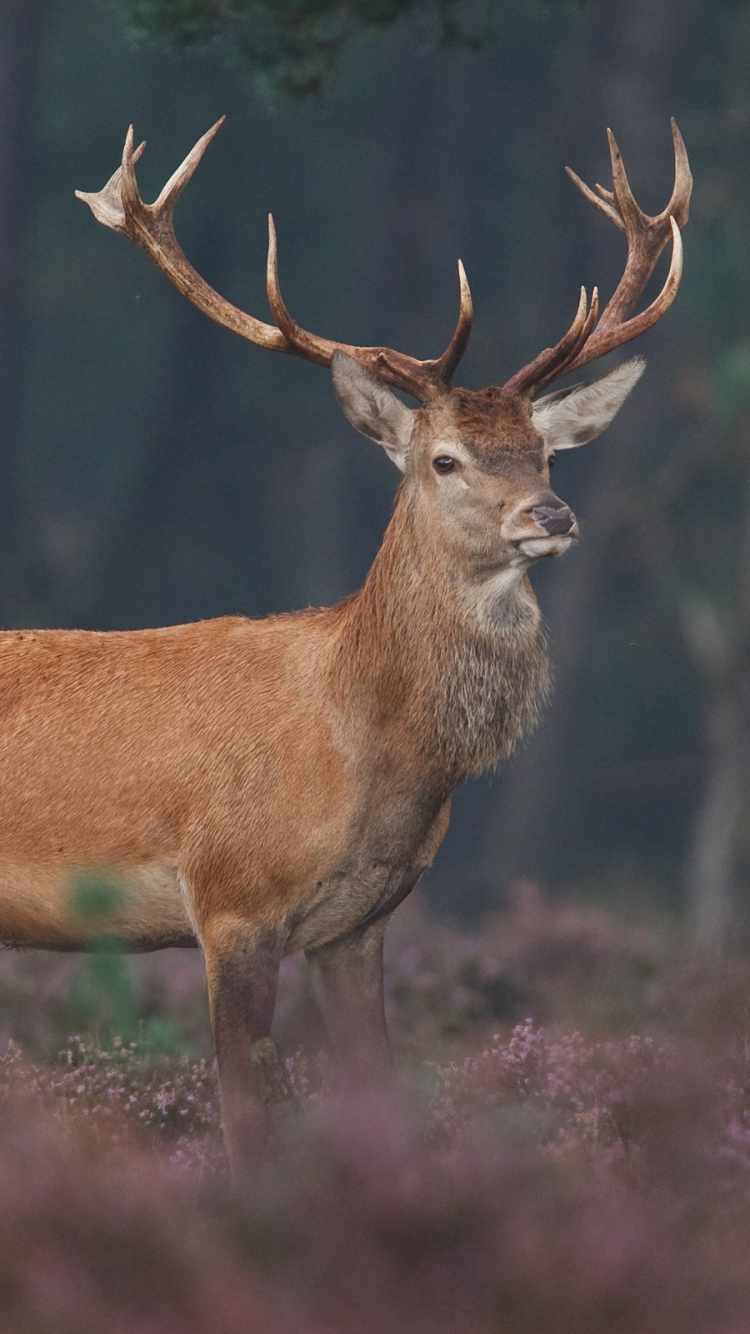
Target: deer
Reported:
point(263, 787)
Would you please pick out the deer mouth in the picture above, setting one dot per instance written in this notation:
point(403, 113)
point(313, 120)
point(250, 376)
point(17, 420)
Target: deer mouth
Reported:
point(552, 544)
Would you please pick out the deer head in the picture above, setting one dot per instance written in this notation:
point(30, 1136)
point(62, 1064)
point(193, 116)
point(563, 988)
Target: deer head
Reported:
point(477, 463)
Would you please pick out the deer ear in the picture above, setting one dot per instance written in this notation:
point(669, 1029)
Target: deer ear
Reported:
point(572, 417)
point(372, 408)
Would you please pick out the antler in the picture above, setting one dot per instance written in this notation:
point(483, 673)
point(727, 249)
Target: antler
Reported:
point(646, 239)
point(119, 206)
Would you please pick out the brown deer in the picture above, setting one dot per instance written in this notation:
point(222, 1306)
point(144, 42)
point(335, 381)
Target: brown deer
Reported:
point(262, 787)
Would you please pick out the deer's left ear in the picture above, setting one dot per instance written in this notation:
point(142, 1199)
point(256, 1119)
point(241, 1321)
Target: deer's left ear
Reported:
point(572, 417)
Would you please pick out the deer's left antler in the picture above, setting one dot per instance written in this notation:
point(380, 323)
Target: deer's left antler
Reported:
point(646, 239)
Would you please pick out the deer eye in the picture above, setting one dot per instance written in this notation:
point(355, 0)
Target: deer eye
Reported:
point(551, 461)
point(443, 464)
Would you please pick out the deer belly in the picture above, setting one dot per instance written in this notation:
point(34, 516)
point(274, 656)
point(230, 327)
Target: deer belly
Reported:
point(46, 907)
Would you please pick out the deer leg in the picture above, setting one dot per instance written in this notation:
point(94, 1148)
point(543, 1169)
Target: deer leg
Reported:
point(348, 979)
point(242, 966)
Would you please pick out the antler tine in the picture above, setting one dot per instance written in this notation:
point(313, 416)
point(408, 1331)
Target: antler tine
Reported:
point(445, 366)
point(606, 340)
point(107, 206)
point(605, 204)
point(179, 179)
point(550, 362)
point(572, 357)
point(646, 237)
point(679, 205)
point(624, 199)
point(306, 345)
point(119, 206)
point(278, 309)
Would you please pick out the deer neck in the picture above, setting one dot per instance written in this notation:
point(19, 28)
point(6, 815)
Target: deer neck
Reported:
point(449, 669)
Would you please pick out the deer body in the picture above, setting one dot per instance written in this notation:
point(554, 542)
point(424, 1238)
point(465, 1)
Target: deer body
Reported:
point(304, 764)
point(263, 787)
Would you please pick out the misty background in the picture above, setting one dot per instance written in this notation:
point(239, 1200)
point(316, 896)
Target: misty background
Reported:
point(154, 468)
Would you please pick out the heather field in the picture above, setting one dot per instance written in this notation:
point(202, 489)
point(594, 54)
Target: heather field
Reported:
point(569, 1151)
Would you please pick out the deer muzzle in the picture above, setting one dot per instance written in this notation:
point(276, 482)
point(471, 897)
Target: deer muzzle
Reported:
point(556, 522)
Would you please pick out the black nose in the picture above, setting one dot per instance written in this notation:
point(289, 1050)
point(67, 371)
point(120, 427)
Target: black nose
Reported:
point(556, 522)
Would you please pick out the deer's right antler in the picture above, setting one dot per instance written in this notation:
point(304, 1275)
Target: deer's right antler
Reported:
point(119, 206)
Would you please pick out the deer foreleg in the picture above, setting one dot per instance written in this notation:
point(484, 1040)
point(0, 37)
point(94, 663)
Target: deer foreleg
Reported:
point(348, 979)
point(242, 965)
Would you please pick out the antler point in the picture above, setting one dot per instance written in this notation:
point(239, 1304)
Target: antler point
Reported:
point(210, 134)
point(466, 304)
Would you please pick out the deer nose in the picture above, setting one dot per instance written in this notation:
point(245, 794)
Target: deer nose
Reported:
point(556, 521)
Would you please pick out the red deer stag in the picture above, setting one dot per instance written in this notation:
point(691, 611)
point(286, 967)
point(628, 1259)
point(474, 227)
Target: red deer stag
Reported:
point(267, 787)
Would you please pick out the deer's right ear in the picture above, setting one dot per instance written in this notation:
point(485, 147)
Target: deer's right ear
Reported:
point(372, 408)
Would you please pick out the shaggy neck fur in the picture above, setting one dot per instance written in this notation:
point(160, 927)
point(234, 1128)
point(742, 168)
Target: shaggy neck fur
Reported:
point(439, 677)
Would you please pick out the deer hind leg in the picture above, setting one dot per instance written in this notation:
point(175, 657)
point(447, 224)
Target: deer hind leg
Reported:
point(348, 980)
point(242, 966)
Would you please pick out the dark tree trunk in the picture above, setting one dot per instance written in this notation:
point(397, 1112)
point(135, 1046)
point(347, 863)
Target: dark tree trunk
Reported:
point(712, 864)
point(718, 846)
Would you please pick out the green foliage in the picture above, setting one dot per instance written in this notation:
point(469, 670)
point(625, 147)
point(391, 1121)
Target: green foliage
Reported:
point(102, 998)
point(293, 47)
point(95, 897)
point(103, 1004)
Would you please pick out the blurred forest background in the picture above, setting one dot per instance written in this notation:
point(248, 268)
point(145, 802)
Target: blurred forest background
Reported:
point(154, 468)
